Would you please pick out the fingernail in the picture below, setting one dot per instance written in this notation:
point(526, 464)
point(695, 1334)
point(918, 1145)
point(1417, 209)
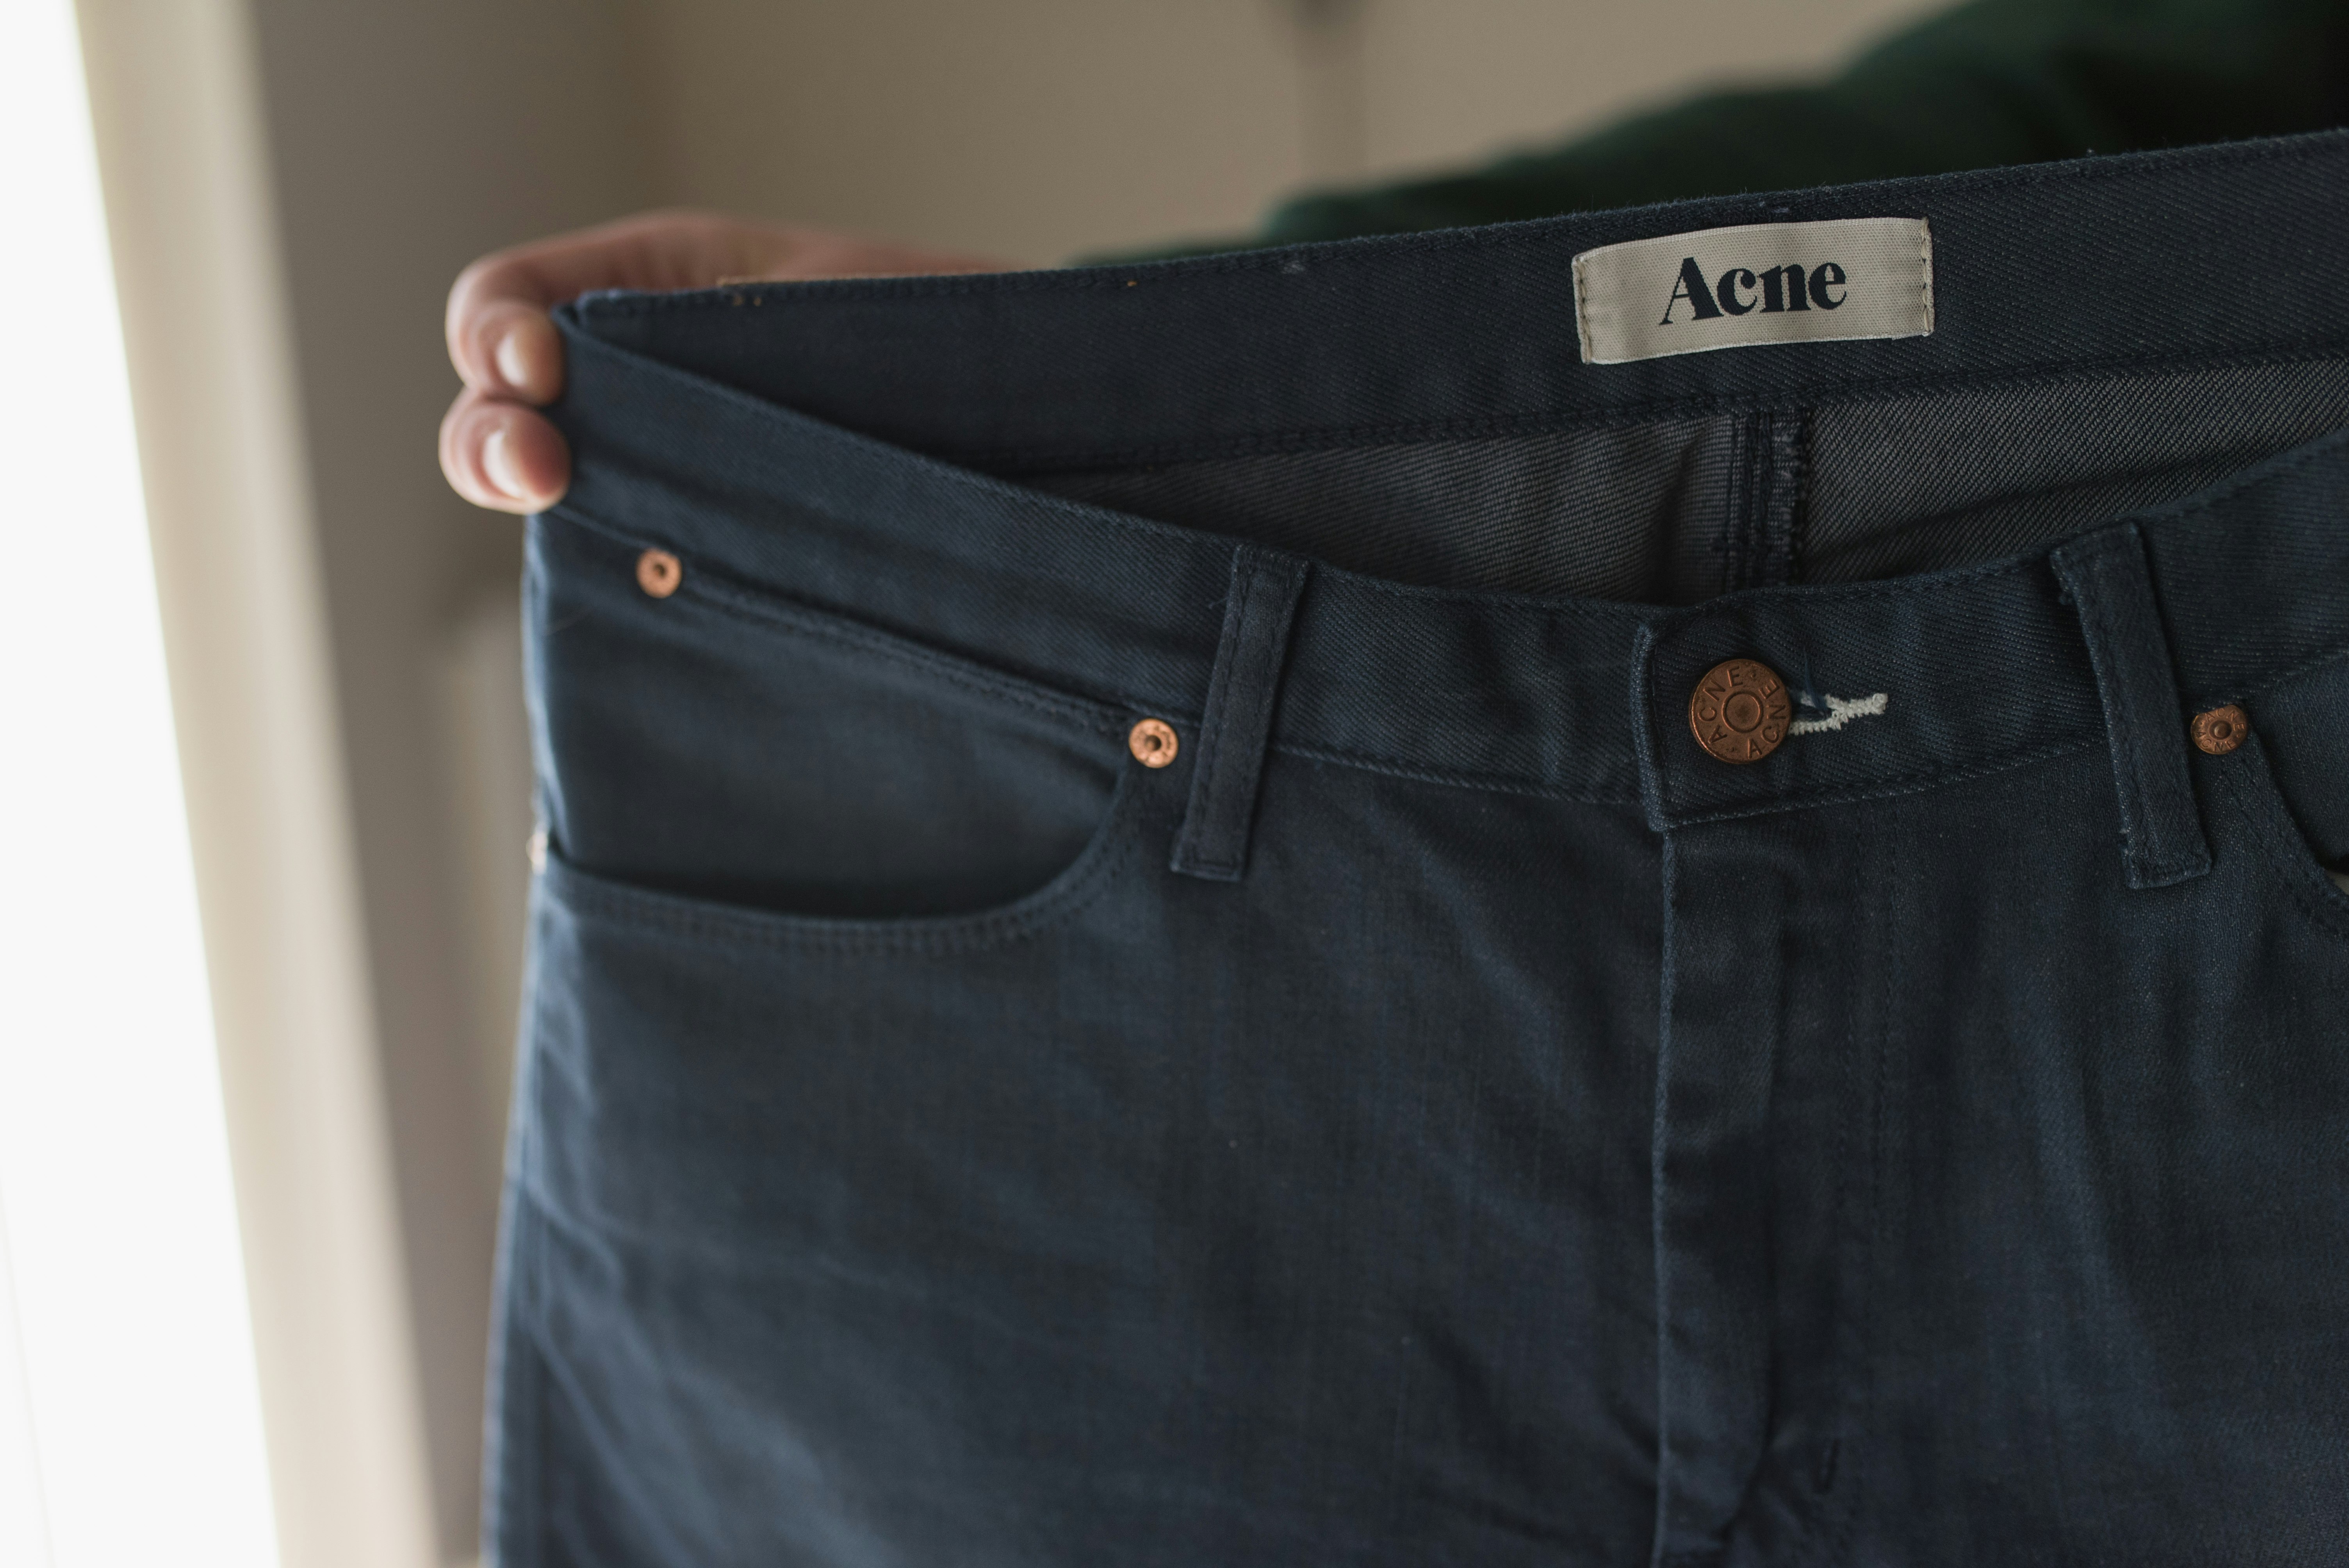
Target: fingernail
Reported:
point(513, 368)
point(497, 461)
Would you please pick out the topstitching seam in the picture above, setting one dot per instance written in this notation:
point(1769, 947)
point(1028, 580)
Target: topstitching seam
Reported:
point(1219, 693)
point(2291, 673)
point(2284, 854)
point(1887, 789)
point(1824, 391)
point(1101, 863)
point(793, 617)
point(2094, 559)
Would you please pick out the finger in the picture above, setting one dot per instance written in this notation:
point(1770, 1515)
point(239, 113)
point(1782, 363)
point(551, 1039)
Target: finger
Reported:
point(509, 349)
point(499, 454)
point(499, 337)
point(501, 343)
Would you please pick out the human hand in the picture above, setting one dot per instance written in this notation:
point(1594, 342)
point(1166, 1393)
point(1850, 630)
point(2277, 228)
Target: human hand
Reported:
point(496, 448)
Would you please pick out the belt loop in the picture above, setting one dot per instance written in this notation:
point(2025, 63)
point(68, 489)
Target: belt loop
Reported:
point(2106, 577)
point(1214, 839)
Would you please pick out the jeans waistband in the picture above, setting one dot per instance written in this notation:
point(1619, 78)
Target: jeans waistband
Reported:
point(2212, 256)
point(2231, 251)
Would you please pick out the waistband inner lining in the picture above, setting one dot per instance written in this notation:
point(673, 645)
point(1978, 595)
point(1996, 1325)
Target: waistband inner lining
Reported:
point(1679, 510)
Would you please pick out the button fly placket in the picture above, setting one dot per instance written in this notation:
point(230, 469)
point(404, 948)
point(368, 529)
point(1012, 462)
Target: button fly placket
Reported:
point(1736, 920)
point(1719, 1041)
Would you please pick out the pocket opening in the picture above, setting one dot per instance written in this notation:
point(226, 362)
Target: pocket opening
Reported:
point(2248, 780)
point(1104, 859)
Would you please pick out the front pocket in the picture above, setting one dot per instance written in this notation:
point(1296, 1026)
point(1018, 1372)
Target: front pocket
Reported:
point(722, 743)
point(1110, 851)
point(787, 1179)
point(2246, 779)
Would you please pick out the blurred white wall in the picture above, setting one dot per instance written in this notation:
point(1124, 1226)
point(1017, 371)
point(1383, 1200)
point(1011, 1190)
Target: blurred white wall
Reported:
point(401, 138)
point(1039, 128)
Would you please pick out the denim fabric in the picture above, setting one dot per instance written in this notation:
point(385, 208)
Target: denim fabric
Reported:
point(1448, 1117)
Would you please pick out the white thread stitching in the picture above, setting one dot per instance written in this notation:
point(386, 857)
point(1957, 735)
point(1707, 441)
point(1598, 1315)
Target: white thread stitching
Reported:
point(1840, 710)
point(1925, 264)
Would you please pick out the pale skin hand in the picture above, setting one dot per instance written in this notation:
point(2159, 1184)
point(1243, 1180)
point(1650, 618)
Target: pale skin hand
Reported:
point(496, 448)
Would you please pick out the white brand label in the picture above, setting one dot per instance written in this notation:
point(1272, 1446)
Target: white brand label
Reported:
point(1763, 283)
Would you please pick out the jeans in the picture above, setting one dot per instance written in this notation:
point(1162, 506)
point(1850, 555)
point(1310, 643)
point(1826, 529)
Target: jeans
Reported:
point(1147, 953)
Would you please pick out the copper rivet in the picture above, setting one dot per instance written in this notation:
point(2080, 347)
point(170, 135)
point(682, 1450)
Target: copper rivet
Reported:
point(659, 572)
point(1153, 742)
point(1740, 711)
point(2221, 729)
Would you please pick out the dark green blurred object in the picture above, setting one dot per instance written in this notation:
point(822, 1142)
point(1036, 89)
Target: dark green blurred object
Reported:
point(1996, 82)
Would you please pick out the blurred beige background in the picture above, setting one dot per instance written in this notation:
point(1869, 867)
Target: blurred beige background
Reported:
point(292, 186)
point(1038, 128)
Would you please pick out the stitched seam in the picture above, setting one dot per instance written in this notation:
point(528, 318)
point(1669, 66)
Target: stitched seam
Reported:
point(1582, 305)
point(2287, 856)
point(1099, 720)
point(2259, 474)
point(2283, 677)
point(1925, 269)
point(1658, 1144)
point(1499, 783)
point(542, 1488)
point(1214, 772)
point(1918, 585)
point(1199, 819)
point(2086, 593)
point(523, 1312)
point(2102, 574)
point(1647, 730)
point(1838, 392)
point(1096, 719)
point(1889, 987)
point(1798, 526)
point(1737, 498)
point(827, 626)
point(1844, 1510)
point(1902, 784)
point(1233, 786)
point(2190, 854)
point(1813, 1511)
point(1101, 864)
point(531, 1490)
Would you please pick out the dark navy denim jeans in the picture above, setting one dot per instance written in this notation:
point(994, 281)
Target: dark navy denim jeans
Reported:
point(1447, 1116)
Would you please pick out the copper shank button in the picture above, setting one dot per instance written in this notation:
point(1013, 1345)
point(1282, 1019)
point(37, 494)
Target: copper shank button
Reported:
point(2221, 729)
point(1153, 742)
point(659, 572)
point(1739, 711)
